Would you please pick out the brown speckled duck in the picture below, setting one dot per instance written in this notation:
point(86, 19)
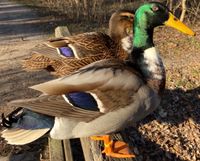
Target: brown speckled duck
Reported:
point(101, 98)
point(67, 54)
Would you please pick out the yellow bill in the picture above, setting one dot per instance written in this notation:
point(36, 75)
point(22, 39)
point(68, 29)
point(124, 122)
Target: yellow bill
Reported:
point(177, 24)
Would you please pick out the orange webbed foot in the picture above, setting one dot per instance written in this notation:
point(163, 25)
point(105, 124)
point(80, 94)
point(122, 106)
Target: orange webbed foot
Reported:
point(116, 149)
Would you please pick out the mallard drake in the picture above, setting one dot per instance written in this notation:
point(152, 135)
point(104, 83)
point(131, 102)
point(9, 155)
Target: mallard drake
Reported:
point(67, 54)
point(101, 98)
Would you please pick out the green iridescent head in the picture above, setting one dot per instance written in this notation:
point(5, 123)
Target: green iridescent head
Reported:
point(151, 15)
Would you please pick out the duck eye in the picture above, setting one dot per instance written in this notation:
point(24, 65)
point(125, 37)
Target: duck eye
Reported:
point(155, 8)
point(131, 17)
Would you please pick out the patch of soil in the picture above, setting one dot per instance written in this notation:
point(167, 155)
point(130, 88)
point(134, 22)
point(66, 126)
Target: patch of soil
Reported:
point(20, 30)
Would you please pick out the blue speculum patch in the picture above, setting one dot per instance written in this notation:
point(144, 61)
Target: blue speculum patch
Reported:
point(83, 100)
point(66, 51)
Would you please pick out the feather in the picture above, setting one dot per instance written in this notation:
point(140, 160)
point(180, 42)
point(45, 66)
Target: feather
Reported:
point(82, 100)
point(55, 106)
point(66, 51)
point(22, 136)
point(114, 75)
point(56, 43)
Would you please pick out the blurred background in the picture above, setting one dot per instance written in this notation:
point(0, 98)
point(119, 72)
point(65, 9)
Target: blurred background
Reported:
point(99, 11)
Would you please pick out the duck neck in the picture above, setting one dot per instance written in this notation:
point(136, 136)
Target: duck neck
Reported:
point(148, 59)
point(143, 38)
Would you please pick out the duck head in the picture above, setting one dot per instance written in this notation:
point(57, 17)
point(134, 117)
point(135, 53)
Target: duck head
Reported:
point(149, 16)
point(121, 24)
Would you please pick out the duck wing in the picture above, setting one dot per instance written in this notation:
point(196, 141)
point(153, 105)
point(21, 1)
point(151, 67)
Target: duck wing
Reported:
point(58, 55)
point(109, 84)
point(104, 75)
point(56, 106)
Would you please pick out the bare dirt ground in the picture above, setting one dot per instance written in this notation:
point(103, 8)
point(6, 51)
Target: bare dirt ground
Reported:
point(171, 133)
point(21, 28)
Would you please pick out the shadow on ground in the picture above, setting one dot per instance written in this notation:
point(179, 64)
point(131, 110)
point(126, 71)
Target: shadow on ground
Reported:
point(18, 21)
point(177, 107)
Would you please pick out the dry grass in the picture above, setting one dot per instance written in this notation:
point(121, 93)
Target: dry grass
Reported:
point(94, 11)
point(99, 11)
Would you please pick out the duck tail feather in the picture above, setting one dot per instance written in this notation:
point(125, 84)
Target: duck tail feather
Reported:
point(21, 136)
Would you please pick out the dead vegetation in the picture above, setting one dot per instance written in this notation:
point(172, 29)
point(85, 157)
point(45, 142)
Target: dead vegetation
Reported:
point(99, 10)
